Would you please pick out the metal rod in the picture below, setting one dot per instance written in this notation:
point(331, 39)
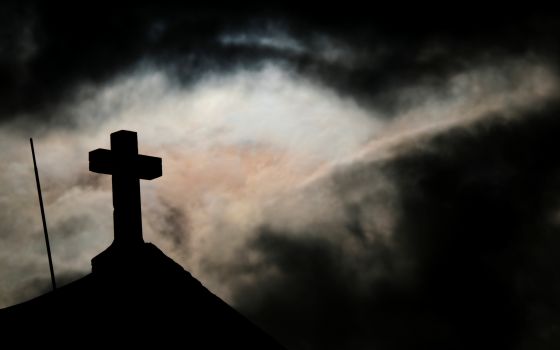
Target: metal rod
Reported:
point(43, 215)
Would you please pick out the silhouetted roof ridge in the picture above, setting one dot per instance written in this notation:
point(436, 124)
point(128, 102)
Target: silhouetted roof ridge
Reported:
point(132, 289)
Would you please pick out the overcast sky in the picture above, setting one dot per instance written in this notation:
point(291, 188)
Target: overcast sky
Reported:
point(347, 178)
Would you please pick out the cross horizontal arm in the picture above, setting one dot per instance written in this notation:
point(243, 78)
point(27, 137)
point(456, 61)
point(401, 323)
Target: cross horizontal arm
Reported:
point(104, 161)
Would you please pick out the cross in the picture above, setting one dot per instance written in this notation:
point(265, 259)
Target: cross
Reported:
point(127, 168)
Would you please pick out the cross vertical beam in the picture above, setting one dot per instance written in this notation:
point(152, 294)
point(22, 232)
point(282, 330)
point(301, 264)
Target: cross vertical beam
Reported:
point(127, 213)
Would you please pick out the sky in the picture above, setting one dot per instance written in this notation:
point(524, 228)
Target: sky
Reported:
point(348, 178)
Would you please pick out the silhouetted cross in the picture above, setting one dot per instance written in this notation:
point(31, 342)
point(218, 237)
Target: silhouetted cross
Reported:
point(127, 168)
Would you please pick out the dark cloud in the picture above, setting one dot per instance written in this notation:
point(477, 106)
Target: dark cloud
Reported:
point(49, 49)
point(473, 259)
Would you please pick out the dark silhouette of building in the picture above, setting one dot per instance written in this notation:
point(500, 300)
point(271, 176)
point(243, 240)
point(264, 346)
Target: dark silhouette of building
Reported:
point(135, 295)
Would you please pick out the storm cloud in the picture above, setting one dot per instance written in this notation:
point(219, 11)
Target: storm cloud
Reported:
point(344, 181)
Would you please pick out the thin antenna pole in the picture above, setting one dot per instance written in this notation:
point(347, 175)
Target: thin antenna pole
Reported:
point(43, 214)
